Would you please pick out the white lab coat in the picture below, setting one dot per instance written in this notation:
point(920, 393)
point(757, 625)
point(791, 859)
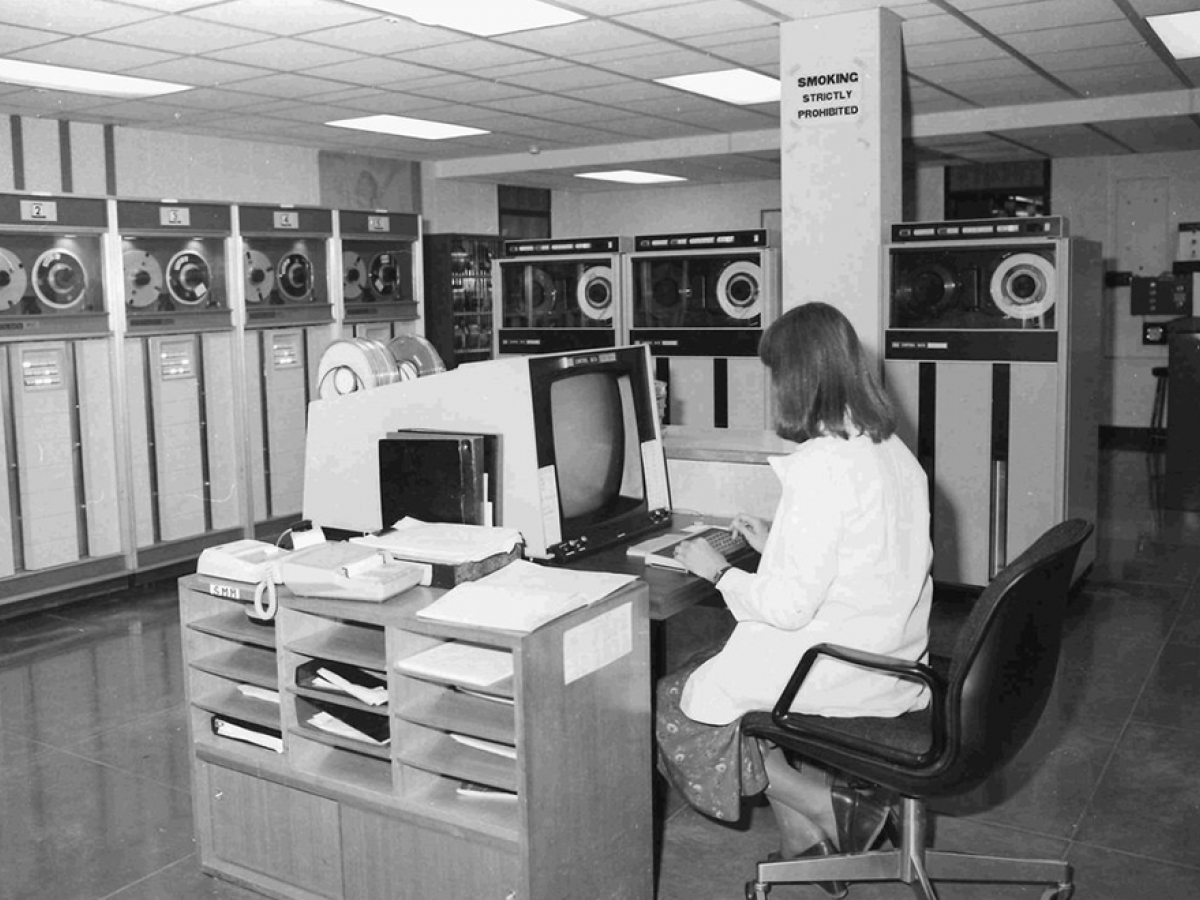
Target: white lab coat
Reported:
point(847, 561)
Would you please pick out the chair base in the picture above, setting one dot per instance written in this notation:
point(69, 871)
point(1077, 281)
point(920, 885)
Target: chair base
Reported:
point(916, 866)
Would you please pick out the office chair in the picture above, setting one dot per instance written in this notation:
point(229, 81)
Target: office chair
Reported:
point(983, 707)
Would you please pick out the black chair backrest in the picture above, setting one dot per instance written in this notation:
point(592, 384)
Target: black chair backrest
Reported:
point(1003, 666)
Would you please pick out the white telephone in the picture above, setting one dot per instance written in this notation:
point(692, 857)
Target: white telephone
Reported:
point(251, 562)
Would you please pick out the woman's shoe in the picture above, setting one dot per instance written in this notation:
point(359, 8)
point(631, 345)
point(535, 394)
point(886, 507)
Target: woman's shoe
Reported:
point(861, 813)
point(835, 889)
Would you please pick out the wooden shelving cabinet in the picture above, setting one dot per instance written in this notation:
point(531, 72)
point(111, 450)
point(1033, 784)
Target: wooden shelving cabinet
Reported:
point(565, 741)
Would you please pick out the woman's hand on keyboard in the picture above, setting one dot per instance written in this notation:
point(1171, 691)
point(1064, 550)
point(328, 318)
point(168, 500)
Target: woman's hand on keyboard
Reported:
point(699, 558)
point(752, 528)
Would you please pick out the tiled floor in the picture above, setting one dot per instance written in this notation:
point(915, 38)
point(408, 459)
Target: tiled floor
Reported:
point(95, 803)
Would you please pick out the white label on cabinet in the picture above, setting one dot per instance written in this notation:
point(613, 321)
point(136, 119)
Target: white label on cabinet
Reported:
point(589, 647)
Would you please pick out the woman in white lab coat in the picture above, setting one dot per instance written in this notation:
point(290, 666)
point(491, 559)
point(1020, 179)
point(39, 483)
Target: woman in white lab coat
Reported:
point(846, 560)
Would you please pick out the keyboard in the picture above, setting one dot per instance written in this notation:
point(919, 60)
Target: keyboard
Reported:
point(660, 551)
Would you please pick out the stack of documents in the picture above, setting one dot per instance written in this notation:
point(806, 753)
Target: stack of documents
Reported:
point(522, 596)
point(442, 542)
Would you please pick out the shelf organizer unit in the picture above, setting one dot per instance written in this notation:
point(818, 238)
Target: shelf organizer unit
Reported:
point(347, 819)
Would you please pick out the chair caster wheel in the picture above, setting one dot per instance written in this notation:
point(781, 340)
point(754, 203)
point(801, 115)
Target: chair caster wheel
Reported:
point(755, 891)
point(1062, 892)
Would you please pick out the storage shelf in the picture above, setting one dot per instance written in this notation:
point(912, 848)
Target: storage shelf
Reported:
point(392, 813)
point(351, 644)
point(238, 706)
point(313, 733)
point(233, 624)
point(446, 756)
point(250, 665)
point(463, 714)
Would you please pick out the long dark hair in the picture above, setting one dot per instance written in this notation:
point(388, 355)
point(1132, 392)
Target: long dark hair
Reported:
point(823, 381)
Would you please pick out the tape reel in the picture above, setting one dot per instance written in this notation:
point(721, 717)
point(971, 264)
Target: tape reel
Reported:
point(295, 276)
point(594, 293)
point(59, 279)
point(13, 279)
point(188, 277)
point(143, 279)
point(739, 290)
point(415, 357)
point(384, 275)
point(260, 277)
point(350, 365)
point(354, 275)
point(540, 291)
point(1023, 286)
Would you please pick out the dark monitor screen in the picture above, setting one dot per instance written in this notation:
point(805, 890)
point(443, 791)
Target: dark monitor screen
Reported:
point(594, 415)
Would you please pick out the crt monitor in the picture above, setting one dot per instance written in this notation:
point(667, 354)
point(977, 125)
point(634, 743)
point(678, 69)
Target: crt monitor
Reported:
point(581, 462)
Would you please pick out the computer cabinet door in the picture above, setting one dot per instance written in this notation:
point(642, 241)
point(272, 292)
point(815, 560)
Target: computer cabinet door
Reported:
point(404, 860)
point(290, 836)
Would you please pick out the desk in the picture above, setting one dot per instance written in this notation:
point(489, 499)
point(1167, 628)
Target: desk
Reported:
point(329, 817)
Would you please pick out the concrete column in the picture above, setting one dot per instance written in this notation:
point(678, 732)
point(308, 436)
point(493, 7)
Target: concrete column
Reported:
point(840, 134)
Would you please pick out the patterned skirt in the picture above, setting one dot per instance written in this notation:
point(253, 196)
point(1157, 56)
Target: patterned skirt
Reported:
point(712, 766)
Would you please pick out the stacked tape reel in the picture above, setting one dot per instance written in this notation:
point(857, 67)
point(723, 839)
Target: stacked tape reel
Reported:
point(594, 293)
point(143, 279)
point(384, 275)
point(354, 275)
point(350, 365)
point(189, 277)
point(739, 290)
point(294, 276)
point(1023, 286)
point(260, 277)
point(13, 280)
point(60, 280)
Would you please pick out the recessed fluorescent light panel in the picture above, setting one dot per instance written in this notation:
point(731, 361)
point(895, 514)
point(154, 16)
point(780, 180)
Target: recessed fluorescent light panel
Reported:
point(482, 17)
point(1180, 32)
point(82, 81)
point(630, 176)
point(402, 126)
point(739, 86)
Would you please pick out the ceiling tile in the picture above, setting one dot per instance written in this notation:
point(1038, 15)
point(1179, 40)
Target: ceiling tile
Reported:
point(1013, 91)
point(13, 38)
point(1093, 57)
point(1073, 140)
point(564, 78)
point(284, 54)
point(563, 40)
point(530, 104)
point(617, 7)
point(287, 85)
point(93, 55)
point(294, 17)
point(383, 36)
point(1033, 16)
point(922, 56)
point(476, 90)
point(196, 37)
point(71, 16)
point(471, 55)
point(702, 17)
point(369, 71)
point(1080, 37)
point(940, 27)
point(1118, 80)
point(662, 64)
point(196, 70)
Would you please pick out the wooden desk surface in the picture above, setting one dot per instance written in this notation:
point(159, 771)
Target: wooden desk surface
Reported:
point(671, 592)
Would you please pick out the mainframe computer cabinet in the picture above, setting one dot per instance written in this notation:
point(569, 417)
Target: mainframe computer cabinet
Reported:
point(327, 816)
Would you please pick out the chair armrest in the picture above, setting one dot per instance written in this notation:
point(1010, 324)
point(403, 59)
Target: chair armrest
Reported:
point(878, 662)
